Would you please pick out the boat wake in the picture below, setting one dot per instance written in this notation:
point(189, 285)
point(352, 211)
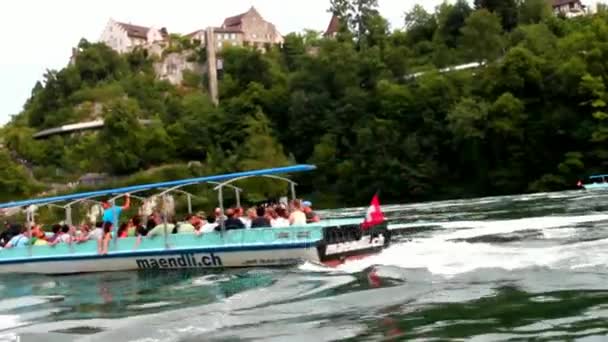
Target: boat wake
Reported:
point(562, 242)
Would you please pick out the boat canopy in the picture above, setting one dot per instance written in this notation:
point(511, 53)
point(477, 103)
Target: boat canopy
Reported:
point(169, 185)
point(598, 176)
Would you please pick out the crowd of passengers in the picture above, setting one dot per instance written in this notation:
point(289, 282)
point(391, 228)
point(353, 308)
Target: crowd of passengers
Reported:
point(297, 213)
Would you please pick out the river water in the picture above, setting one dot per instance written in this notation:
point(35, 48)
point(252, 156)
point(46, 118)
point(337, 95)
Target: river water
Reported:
point(517, 267)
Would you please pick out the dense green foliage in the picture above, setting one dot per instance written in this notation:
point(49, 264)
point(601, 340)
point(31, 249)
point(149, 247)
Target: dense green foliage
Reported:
point(533, 118)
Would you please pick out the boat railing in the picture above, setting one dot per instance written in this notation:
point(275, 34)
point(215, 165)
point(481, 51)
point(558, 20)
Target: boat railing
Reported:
point(231, 240)
point(221, 182)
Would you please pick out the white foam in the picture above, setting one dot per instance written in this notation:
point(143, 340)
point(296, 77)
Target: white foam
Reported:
point(10, 321)
point(441, 255)
point(480, 228)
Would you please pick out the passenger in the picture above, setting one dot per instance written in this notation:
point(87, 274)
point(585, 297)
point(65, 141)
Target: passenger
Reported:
point(281, 218)
point(97, 233)
point(198, 221)
point(187, 227)
point(110, 212)
point(56, 229)
point(210, 225)
point(260, 220)
point(159, 229)
point(65, 236)
point(20, 240)
point(140, 229)
point(249, 218)
point(219, 215)
point(107, 236)
point(311, 216)
point(123, 230)
point(231, 222)
point(38, 237)
point(10, 230)
point(84, 233)
point(297, 216)
point(131, 228)
point(61, 234)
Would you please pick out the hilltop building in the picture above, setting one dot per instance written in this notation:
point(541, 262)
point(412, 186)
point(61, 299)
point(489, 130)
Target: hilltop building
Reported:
point(333, 27)
point(569, 8)
point(124, 37)
point(248, 28)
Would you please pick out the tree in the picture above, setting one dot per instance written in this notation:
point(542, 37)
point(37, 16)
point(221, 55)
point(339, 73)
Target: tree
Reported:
point(262, 150)
point(534, 11)
point(122, 137)
point(451, 20)
point(361, 17)
point(420, 24)
point(505, 9)
point(482, 36)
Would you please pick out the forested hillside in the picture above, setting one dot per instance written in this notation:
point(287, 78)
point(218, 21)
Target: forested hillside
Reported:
point(533, 118)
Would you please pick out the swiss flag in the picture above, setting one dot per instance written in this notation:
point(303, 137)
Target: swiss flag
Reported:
point(374, 214)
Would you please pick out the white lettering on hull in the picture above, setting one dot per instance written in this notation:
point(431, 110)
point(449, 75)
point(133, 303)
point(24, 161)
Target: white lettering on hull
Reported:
point(178, 260)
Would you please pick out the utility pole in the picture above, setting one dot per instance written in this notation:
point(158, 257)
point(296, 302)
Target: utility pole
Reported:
point(212, 66)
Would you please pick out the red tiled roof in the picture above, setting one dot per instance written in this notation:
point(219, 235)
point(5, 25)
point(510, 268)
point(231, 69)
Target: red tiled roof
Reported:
point(333, 27)
point(234, 21)
point(237, 19)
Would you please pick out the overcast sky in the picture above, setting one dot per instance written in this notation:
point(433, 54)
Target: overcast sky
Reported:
point(39, 34)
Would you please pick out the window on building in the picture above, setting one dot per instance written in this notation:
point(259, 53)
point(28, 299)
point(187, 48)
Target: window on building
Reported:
point(218, 36)
point(219, 44)
point(254, 36)
point(232, 36)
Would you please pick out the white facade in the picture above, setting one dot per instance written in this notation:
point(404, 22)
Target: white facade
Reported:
point(123, 37)
point(570, 8)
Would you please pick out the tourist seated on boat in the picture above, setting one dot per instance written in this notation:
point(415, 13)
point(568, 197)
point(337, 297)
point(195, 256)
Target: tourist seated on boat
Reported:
point(38, 236)
point(110, 211)
point(280, 217)
point(311, 216)
point(20, 240)
point(240, 214)
point(97, 233)
point(56, 230)
point(260, 220)
point(159, 229)
point(10, 230)
point(83, 233)
point(297, 216)
point(231, 221)
point(63, 235)
point(123, 230)
point(187, 225)
point(210, 224)
point(140, 229)
point(219, 215)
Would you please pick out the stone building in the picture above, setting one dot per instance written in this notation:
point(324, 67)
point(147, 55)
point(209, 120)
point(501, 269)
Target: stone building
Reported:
point(248, 28)
point(124, 37)
point(223, 37)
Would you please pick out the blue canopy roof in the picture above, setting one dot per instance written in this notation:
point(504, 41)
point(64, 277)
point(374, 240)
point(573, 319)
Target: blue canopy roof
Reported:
point(128, 189)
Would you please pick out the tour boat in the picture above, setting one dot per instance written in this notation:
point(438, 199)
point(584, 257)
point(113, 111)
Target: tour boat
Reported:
point(329, 241)
point(596, 182)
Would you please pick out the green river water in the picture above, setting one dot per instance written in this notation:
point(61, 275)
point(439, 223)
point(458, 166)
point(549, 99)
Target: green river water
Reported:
point(491, 269)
